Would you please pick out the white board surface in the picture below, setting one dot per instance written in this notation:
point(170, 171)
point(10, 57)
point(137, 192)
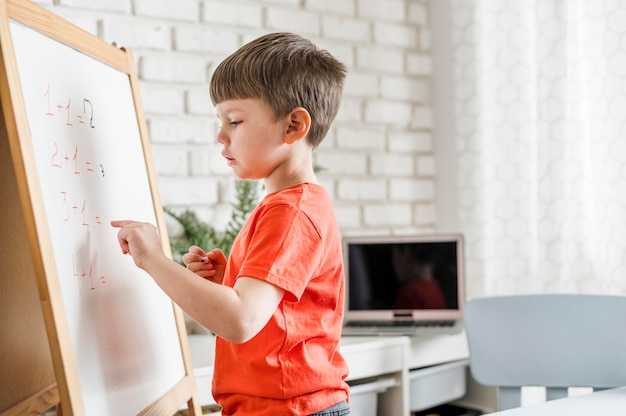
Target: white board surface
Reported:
point(92, 169)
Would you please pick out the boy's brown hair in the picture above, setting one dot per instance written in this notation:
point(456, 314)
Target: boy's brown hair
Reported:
point(286, 71)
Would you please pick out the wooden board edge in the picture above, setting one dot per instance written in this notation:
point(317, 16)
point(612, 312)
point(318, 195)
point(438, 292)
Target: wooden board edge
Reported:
point(172, 401)
point(55, 27)
point(31, 199)
point(38, 403)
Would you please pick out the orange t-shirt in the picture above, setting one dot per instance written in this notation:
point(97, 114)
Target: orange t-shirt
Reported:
point(293, 366)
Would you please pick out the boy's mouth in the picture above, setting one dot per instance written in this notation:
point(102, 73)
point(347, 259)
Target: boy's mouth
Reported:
point(229, 159)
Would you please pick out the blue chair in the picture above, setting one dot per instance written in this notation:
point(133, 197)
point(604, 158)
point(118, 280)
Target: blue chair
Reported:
point(549, 340)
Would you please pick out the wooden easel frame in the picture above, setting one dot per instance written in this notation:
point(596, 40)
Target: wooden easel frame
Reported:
point(68, 391)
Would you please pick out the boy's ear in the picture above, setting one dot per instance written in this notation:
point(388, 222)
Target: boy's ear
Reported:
point(299, 123)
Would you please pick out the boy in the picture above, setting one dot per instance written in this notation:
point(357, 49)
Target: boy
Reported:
point(276, 304)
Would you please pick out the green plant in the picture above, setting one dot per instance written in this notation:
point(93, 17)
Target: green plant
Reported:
point(199, 233)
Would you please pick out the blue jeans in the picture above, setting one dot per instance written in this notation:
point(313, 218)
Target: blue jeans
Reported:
point(339, 409)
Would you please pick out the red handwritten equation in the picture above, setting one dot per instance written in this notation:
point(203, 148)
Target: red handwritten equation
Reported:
point(64, 109)
point(64, 159)
point(85, 274)
point(69, 155)
point(77, 210)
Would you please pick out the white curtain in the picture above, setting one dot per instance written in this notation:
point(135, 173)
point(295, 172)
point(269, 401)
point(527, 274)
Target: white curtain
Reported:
point(540, 130)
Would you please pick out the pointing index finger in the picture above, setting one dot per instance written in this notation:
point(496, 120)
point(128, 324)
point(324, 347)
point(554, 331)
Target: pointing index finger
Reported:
point(120, 223)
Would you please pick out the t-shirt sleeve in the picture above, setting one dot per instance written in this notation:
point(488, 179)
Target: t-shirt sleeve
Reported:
point(284, 249)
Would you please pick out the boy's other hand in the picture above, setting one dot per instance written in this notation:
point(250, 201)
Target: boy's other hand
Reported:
point(209, 265)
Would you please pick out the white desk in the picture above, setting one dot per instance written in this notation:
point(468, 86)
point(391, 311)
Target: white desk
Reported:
point(606, 403)
point(372, 358)
point(411, 361)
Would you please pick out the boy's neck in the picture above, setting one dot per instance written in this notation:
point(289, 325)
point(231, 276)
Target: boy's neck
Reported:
point(296, 170)
point(272, 186)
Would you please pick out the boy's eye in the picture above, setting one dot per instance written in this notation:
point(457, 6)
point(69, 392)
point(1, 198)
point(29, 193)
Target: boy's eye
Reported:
point(235, 123)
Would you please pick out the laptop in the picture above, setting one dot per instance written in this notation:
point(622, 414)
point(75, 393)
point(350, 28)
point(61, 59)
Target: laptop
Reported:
point(404, 285)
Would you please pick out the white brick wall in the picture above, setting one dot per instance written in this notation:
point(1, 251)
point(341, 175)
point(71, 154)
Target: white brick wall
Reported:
point(378, 161)
point(232, 14)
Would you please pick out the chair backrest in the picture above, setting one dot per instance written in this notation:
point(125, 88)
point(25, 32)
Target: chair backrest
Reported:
point(551, 340)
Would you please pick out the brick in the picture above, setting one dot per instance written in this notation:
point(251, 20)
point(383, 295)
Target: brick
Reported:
point(135, 35)
point(348, 216)
point(182, 130)
point(411, 189)
point(413, 229)
point(396, 34)
point(170, 160)
point(426, 166)
point(403, 88)
point(185, 190)
point(362, 189)
point(381, 9)
point(218, 163)
point(410, 141)
point(200, 161)
point(419, 64)
point(422, 118)
point(173, 67)
point(417, 14)
point(342, 162)
point(205, 39)
point(345, 28)
point(355, 138)
point(392, 164)
point(226, 13)
point(218, 216)
point(378, 59)
point(425, 214)
point(351, 110)
point(198, 101)
point(376, 215)
point(329, 141)
point(284, 2)
point(328, 183)
point(341, 51)
point(158, 100)
point(185, 10)
point(329, 7)
point(123, 6)
point(361, 84)
point(305, 23)
point(208, 160)
point(385, 111)
point(424, 39)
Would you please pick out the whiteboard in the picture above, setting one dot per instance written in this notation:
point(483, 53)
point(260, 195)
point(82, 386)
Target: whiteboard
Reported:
point(92, 169)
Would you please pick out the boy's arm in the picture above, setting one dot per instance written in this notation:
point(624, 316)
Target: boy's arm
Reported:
point(236, 314)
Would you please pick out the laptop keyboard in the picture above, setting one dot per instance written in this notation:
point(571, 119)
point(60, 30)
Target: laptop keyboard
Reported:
point(400, 324)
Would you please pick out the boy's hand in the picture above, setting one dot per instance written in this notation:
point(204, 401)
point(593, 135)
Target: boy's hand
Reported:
point(139, 239)
point(209, 265)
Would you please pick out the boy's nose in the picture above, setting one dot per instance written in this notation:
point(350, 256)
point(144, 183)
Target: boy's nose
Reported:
point(221, 137)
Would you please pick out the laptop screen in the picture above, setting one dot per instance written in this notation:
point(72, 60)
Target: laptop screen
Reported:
point(407, 276)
